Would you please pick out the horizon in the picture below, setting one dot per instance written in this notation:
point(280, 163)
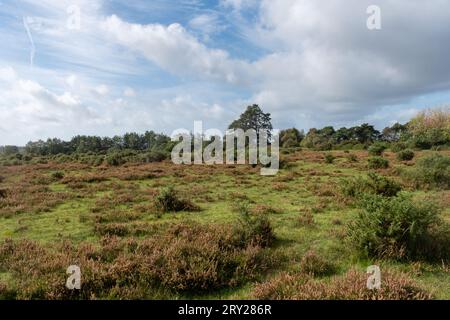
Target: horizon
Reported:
point(104, 68)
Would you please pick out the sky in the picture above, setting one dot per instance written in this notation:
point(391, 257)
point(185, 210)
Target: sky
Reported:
point(106, 67)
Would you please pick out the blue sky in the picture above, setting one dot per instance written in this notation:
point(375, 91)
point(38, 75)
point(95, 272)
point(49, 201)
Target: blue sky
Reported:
point(160, 65)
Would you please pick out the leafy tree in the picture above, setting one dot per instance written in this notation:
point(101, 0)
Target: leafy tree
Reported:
point(253, 118)
point(291, 138)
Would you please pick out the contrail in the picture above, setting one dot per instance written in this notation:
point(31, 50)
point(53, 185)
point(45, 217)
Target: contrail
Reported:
point(30, 37)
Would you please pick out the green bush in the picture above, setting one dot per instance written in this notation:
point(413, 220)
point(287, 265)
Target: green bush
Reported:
point(431, 171)
point(253, 229)
point(393, 227)
point(373, 184)
point(168, 200)
point(57, 175)
point(154, 156)
point(329, 158)
point(377, 149)
point(405, 155)
point(378, 163)
point(115, 159)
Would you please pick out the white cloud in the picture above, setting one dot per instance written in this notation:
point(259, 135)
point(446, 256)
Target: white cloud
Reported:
point(102, 90)
point(129, 92)
point(174, 49)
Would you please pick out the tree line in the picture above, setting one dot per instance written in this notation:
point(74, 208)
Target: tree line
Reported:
point(429, 129)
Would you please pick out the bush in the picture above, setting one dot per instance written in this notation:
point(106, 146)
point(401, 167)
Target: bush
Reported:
point(313, 264)
point(57, 175)
point(377, 149)
point(352, 157)
point(393, 227)
point(115, 159)
point(185, 258)
point(168, 200)
point(373, 184)
point(350, 286)
point(329, 158)
point(378, 163)
point(431, 171)
point(405, 155)
point(255, 230)
point(154, 156)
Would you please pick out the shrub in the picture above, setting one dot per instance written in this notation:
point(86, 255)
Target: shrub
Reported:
point(168, 200)
point(393, 227)
point(378, 163)
point(313, 264)
point(374, 184)
point(405, 155)
point(377, 149)
point(115, 159)
point(57, 175)
point(431, 171)
point(329, 158)
point(350, 286)
point(154, 156)
point(255, 230)
point(352, 157)
point(184, 258)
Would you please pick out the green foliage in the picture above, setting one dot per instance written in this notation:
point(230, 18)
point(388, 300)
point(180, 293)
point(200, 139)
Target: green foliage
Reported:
point(57, 175)
point(329, 158)
point(169, 201)
point(431, 171)
point(373, 184)
point(377, 163)
point(377, 149)
point(405, 155)
point(291, 138)
point(393, 227)
point(253, 118)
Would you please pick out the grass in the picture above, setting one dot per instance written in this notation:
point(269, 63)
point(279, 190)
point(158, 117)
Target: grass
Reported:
point(307, 185)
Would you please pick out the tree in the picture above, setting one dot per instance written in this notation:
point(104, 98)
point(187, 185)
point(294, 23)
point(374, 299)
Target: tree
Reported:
point(291, 138)
point(253, 118)
point(393, 133)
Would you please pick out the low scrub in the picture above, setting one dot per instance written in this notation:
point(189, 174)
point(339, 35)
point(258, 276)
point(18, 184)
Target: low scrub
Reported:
point(396, 228)
point(184, 258)
point(431, 172)
point(169, 201)
point(373, 184)
point(377, 163)
point(315, 265)
point(377, 149)
point(350, 286)
point(405, 155)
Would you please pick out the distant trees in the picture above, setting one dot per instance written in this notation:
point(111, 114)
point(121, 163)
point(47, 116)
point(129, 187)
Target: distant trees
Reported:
point(327, 137)
point(9, 150)
point(84, 144)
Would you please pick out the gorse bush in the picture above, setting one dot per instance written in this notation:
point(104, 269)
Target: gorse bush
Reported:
point(373, 184)
point(431, 171)
point(405, 155)
point(168, 200)
point(394, 227)
point(377, 149)
point(350, 286)
point(329, 158)
point(377, 163)
point(254, 229)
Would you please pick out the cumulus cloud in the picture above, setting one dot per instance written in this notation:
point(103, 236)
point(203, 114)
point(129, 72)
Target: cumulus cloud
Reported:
point(175, 49)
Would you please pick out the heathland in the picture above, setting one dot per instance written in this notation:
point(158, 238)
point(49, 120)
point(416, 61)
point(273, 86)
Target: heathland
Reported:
point(141, 227)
